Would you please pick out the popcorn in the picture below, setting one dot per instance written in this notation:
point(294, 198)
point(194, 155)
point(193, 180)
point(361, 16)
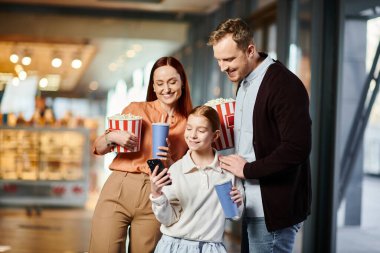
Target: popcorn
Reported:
point(226, 111)
point(127, 122)
point(127, 116)
point(218, 101)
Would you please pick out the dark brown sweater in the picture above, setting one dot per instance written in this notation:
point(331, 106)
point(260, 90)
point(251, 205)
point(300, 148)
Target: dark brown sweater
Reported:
point(282, 144)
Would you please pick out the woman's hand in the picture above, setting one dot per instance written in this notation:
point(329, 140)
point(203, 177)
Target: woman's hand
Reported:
point(159, 181)
point(236, 196)
point(165, 153)
point(123, 138)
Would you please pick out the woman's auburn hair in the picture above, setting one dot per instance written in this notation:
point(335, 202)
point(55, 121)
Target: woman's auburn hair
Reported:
point(184, 102)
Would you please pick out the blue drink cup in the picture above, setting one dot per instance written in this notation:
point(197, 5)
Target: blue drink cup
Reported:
point(230, 208)
point(160, 132)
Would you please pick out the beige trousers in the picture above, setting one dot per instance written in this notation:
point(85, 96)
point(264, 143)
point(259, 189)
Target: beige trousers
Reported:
point(124, 202)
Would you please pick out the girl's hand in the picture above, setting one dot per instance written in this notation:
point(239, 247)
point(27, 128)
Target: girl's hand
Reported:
point(236, 196)
point(124, 139)
point(159, 181)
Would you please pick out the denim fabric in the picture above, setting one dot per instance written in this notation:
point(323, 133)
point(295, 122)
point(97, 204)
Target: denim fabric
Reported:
point(262, 241)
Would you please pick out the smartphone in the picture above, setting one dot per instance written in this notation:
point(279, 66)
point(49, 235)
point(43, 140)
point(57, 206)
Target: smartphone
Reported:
point(152, 163)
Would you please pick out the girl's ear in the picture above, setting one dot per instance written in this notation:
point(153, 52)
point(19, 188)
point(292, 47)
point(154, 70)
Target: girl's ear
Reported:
point(216, 135)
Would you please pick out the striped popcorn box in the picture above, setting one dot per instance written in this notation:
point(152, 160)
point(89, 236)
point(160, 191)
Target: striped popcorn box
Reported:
point(226, 112)
point(126, 122)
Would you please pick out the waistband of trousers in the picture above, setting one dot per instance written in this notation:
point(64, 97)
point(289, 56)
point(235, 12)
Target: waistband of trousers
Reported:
point(186, 241)
point(132, 175)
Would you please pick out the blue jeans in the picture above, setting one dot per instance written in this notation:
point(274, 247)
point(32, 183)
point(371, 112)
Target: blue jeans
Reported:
point(257, 239)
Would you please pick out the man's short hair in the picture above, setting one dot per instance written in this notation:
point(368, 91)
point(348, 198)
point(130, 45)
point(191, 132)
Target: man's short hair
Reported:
point(241, 33)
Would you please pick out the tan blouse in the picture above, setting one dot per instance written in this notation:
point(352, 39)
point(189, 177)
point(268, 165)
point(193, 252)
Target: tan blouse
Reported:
point(151, 112)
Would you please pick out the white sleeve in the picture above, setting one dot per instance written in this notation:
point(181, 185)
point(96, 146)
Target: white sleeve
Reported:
point(167, 208)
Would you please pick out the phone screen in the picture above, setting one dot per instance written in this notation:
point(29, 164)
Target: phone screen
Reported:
point(152, 163)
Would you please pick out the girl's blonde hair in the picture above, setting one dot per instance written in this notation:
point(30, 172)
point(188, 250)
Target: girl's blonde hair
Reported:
point(209, 113)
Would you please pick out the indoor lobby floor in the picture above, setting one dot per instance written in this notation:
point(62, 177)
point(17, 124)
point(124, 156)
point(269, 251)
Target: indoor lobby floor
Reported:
point(55, 230)
point(68, 230)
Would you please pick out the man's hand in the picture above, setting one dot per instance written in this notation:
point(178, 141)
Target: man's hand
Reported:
point(234, 164)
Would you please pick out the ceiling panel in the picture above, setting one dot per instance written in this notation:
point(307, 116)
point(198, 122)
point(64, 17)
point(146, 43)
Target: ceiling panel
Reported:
point(179, 6)
point(41, 56)
point(105, 42)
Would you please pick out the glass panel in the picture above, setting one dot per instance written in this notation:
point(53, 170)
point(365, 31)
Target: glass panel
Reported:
point(300, 58)
point(358, 224)
point(258, 39)
point(24, 91)
point(372, 136)
point(272, 39)
point(300, 34)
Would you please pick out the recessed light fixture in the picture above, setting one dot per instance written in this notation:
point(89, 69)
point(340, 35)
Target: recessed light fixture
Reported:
point(18, 68)
point(43, 82)
point(15, 81)
point(76, 63)
point(56, 62)
point(112, 67)
point(26, 60)
point(13, 58)
point(137, 47)
point(130, 53)
point(22, 75)
point(94, 85)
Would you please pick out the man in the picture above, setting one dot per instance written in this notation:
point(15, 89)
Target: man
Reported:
point(272, 140)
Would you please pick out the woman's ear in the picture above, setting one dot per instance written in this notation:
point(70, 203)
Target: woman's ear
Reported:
point(216, 135)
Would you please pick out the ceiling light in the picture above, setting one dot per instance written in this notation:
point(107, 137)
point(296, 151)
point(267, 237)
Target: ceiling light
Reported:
point(22, 75)
point(112, 67)
point(94, 85)
point(76, 64)
point(137, 47)
point(18, 68)
point(26, 60)
point(130, 53)
point(52, 82)
point(43, 82)
point(15, 81)
point(56, 62)
point(14, 58)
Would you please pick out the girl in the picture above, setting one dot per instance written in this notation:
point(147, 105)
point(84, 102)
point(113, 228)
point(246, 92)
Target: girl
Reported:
point(124, 200)
point(189, 210)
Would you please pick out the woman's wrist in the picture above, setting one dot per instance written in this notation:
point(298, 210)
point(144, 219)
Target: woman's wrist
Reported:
point(106, 137)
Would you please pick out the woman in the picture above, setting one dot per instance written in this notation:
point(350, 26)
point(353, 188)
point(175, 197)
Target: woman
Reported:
point(124, 200)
